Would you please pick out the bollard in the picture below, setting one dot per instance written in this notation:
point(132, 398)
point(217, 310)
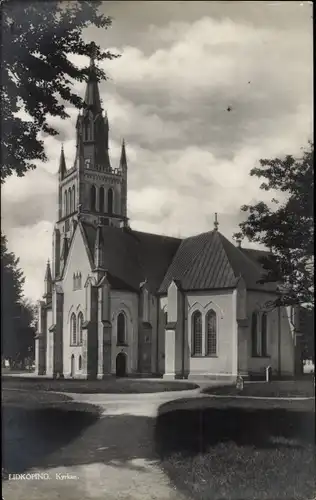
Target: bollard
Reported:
point(268, 373)
point(239, 383)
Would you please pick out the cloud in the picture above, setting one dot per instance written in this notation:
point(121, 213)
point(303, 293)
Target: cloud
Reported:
point(188, 157)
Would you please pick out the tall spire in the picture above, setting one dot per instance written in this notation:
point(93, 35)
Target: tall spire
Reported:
point(62, 163)
point(123, 160)
point(92, 96)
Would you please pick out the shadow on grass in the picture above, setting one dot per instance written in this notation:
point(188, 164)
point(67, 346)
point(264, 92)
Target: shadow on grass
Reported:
point(30, 434)
point(193, 431)
point(51, 431)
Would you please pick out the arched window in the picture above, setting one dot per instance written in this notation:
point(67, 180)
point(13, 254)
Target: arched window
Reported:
point(197, 334)
point(66, 204)
point(73, 199)
point(254, 334)
point(79, 280)
point(211, 334)
point(80, 363)
point(121, 329)
point(101, 200)
point(74, 282)
point(264, 336)
point(80, 321)
point(93, 198)
point(110, 201)
point(73, 329)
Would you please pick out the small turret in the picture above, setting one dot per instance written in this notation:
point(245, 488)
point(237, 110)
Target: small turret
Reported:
point(48, 282)
point(123, 159)
point(62, 164)
point(123, 168)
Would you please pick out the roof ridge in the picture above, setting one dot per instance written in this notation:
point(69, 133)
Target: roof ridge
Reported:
point(201, 234)
point(156, 234)
point(239, 250)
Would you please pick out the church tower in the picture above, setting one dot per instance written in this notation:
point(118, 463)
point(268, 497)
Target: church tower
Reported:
point(92, 189)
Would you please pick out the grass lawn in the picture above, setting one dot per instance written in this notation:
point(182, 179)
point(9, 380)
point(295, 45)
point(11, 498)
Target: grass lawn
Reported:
point(228, 471)
point(109, 386)
point(238, 449)
point(286, 388)
point(42, 400)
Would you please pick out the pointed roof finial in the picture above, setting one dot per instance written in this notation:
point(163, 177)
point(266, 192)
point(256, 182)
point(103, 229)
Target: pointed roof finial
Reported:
point(123, 160)
point(92, 95)
point(48, 274)
point(62, 162)
point(216, 223)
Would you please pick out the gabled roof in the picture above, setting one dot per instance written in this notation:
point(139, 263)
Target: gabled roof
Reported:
point(131, 257)
point(209, 261)
point(203, 262)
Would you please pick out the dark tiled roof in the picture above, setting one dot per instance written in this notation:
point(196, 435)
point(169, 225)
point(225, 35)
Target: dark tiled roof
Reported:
point(203, 262)
point(131, 257)
point(209, 261)
point(156, 254)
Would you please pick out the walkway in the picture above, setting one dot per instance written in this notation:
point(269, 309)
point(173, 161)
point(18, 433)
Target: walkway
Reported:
point(113, 459)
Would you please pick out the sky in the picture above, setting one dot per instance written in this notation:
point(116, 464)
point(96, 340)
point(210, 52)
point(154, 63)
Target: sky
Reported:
point(182, 65)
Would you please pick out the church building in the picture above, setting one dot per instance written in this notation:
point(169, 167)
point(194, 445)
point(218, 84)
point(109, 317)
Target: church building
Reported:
point(127, 303)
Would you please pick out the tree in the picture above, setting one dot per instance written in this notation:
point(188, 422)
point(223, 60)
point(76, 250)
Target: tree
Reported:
point(17, 313)
point(37, 76)
point(25, 332)
point(287, 229)
point(12, 281)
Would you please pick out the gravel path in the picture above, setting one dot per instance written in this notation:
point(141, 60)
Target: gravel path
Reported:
point(114, 458)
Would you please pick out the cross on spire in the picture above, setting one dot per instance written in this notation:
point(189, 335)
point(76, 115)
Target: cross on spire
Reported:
point(216, 223)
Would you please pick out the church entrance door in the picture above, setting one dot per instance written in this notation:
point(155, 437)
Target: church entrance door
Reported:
point(72, 366)
point(121, 365)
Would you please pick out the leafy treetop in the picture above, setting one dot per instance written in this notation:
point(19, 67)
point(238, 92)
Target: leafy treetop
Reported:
point(287, 227)
point(37, 75)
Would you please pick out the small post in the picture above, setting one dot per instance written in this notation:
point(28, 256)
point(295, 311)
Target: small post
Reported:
point(239, 383)
point(268, 373)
